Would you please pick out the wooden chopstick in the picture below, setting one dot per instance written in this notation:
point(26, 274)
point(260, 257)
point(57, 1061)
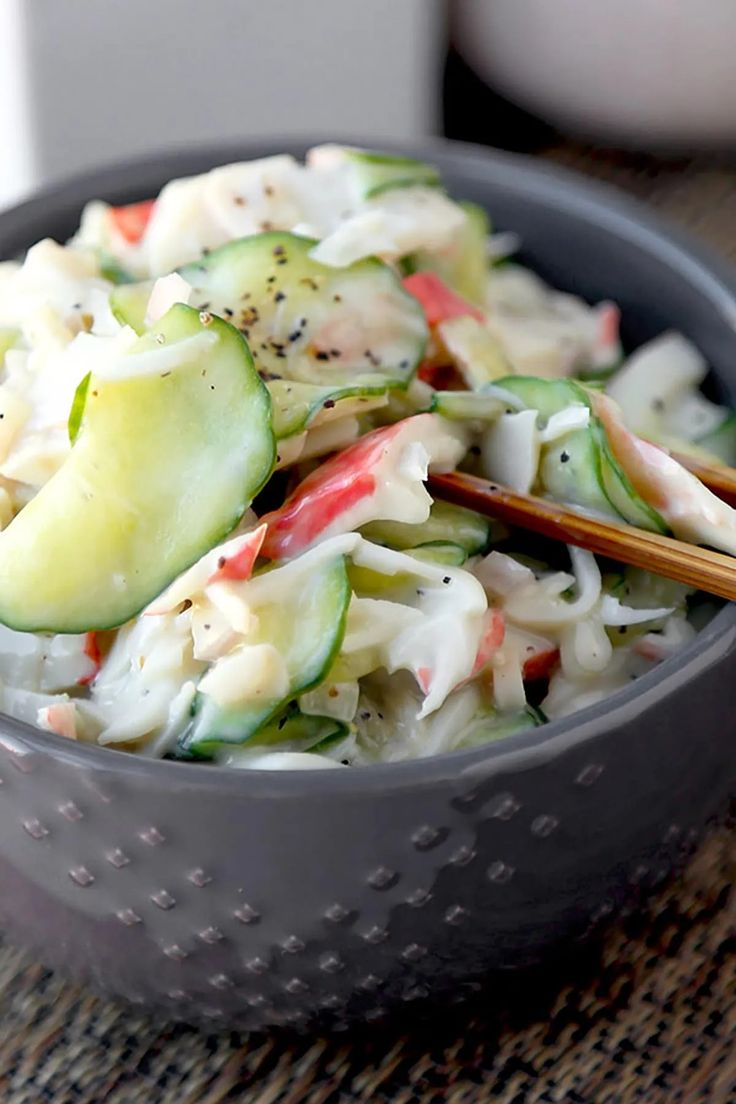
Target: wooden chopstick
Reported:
point(718, 478)
point(713, 572)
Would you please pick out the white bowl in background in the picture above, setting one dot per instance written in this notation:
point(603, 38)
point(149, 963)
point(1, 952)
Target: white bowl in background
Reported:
point(642, 73)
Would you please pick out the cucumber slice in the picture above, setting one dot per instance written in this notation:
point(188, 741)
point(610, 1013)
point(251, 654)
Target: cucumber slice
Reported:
point(129, 301)
point(446, 524)
point(439, 552)
point(376, 172)
point(548, 396)
point(619, 489)
point(489, 727)
point(462, 406)
point(299, 406)
point(112, 270)
point(76, 412)
point(721, 441)
point(569, 471)
point(306, 626)
point(163, 468)
point(297, 731)
point(581, 469)
point(465, 268)
point(303, 320)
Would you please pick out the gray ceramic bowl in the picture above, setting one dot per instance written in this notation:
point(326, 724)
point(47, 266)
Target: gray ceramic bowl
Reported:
point(287, 898)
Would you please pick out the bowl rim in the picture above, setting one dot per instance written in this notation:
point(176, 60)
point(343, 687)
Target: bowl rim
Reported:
point(560, 189)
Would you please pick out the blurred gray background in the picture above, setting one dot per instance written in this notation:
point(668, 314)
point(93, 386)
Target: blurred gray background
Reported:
point(83, 82)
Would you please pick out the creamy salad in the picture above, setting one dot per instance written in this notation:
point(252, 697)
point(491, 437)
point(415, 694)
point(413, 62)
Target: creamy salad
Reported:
point(218, 412)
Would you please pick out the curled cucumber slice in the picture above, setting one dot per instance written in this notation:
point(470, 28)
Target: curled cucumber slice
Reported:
point(446, 524)
point(488, 727)
point(580, 467)
point(299, 406)
point(303, 320)
point(374, 172)
point(297, 731)
point(463, 267)
point(164, 466)
point(303, 618)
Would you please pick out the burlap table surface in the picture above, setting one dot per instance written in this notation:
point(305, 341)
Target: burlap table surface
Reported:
point(648, 1015)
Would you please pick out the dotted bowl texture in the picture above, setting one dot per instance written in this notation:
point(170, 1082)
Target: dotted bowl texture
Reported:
point(319, 898)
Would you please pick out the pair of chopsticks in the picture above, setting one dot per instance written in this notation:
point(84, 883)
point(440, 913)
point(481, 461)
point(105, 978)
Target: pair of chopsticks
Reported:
point(712, 572)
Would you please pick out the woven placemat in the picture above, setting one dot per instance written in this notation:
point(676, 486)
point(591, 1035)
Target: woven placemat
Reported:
point(649, 1015)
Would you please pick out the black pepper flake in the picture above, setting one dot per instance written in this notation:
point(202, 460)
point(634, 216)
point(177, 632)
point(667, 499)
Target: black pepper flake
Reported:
point(279, 297)
point(365, 715)
point(564, 457)
point(404, 365)
point(207, 627)
point(622, 629)
point(295, 335)
point(228, 312)
point(321, 355)
point(205, 252)
point(282, 260)
point(658, 405)
point(270, 279)
point(309, 282)
point(239, 201)
point(475, 449)
point(212, 387)
point(221, 561)
point(205, 306)
point(420, 592)
point(446, 579)
point(76, 306)
point(337, 298)
point(380, 716)
point(249, 316)
point(302, 322)
point(328, 404)
point(279, 250)
point(1, 416)
point(335, 352)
